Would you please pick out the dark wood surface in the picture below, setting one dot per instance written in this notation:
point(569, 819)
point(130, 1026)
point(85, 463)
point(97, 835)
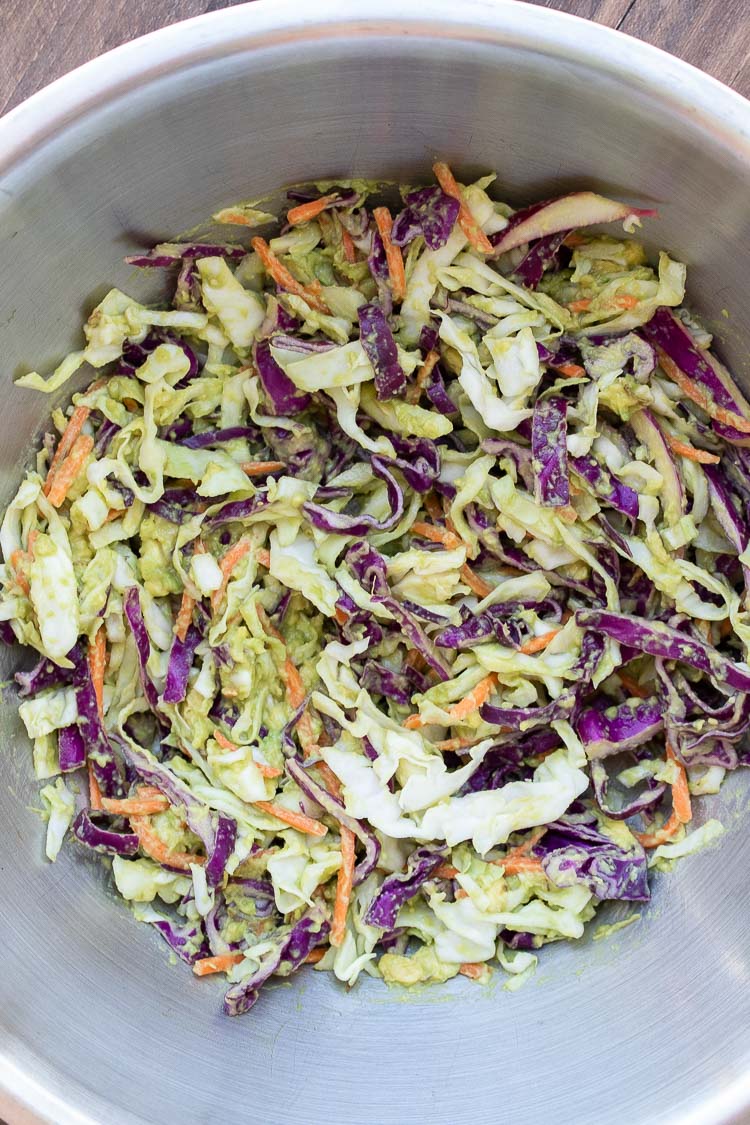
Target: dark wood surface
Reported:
point(42, 39)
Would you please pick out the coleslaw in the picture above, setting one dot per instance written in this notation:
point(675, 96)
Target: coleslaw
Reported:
point(388, 584)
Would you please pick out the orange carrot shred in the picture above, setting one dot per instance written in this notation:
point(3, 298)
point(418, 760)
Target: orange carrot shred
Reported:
point(432, 506)
point(514, 865)
point(66, 442)
point(466, 220)
point(414, 392)
point(316, 955)
point(98, 666)
point(285, 279)
point(227, 564)
point(680, 790)
point(632, 687)
point(574, 239)
point(393, 255)
point(69, 469)
point(700, 456)
point(682, 812)
point(95, 797)
point(341, 615)
point(260, 468)
point(446, 871)
point(263, 767)
point(218, 964)
point(474, 970)
point(626, 301)
point(465, 707)
point(154, 846)
point(136, 806)
point(580, 306)
point(536, 644)
point(184, 616)
point(263, 556)
point(570, 370)
point(306, 211)
point(350, 250)
point(436, 535)
point(297, 820)
point(665, 833)
point(344, 885)
point(697, 395)
point(475, 582)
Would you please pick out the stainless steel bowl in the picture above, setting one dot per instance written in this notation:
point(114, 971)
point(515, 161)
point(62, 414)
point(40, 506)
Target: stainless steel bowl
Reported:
point(95, 1025)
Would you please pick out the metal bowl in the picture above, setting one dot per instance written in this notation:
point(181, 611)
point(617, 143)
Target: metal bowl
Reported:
point(95, 1025)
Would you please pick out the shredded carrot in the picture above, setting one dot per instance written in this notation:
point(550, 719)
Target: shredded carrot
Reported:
point(697, 395)
point(514, 865)
point(466, 220)
point(626, 301)
point(665, 833)
point(632, 687)
point(260, 468)
point(414, 392)
point(98, 666)
point(725, 628)
point(455, 743)
point(136, 806)
point(437, 535)
point(19, 561)
point(460, 893)
point(449, 539)
point(227, 564)
point(95, 797)
point(331, 782)
point(184, 616)
point(393, 255)
point(518, 859)
point(130, 404)
point(700, 456)
point(350, 250)
point(66, 443)
point(344, 885)
point(69, 469)
point(297, 820)
point(294, 684)
point(570, 370)
point(465, 707)
point(218, 964)
point(341, 615)
point(316, 955)
point(432, 506)
point(154, 846)
point(263, 556)
point(263, 767)
point(682, 812)
point(574, 239)
point(536, 644)
point(306, 211)
point(680, 790)
point(580, 306)
point(446, 871)
point(475, 582)
point(282, 276)
point(474, 970)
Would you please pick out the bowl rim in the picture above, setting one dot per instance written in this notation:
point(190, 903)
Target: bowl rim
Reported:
point(263, 24)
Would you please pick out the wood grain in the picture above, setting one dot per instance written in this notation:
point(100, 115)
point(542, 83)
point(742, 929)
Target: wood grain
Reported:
point(43, 39)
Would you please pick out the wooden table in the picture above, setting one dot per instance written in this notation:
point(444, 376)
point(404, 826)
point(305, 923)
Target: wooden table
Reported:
point(42, 39)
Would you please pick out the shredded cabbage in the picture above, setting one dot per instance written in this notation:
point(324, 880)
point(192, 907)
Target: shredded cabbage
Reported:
point(334, 640)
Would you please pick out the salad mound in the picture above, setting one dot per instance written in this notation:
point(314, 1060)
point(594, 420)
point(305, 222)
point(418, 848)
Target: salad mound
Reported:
point(388, 585)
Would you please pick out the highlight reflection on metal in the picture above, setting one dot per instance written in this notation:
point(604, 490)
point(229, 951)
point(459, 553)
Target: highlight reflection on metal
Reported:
point(95, 1025)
